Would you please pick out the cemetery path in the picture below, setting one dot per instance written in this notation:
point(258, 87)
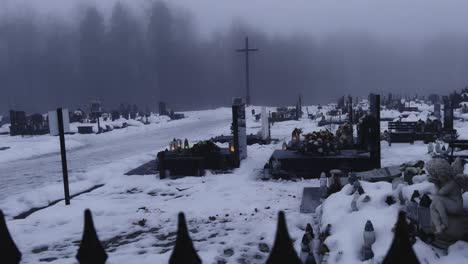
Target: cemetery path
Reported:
point(27, 175)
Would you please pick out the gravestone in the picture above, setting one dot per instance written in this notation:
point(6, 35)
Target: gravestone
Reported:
point(96, 109)
point(350, 110)
point(310, 199)
point(162, 108)
point(448, 114)
point(374, 130)
point(239, 130)
point(437, 110)
point(383, 174)
point(265, 124)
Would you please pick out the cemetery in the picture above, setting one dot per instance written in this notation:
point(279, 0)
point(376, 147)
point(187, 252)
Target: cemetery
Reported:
point(336, 172)
point(318, 173)
point(286, 113)
point(348, 145)
point(344, 175)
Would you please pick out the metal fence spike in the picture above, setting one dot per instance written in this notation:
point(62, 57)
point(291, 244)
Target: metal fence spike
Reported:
point(283, 249)
point(9, 252)
point(401, 250)
point(184, 252)
point(91, 251)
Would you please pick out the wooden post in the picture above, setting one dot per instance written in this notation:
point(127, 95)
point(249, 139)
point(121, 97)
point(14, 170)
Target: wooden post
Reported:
point(63, 153)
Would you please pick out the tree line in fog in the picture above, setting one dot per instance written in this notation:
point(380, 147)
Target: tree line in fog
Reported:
point(49, 61)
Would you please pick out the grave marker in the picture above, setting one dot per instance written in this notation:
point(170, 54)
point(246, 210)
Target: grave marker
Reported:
point(374, 130)
point(246, 50)
point(265, 124)
point(239, 130)
point(437, 110)
point(448, 114)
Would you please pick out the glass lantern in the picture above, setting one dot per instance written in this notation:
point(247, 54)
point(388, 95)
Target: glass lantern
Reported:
point(231, 147)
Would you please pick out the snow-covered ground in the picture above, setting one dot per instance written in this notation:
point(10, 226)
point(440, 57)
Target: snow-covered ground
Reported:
point(348, 226)
point(244, 208)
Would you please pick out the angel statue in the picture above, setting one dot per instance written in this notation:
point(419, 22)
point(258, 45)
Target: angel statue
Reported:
point(450, 182)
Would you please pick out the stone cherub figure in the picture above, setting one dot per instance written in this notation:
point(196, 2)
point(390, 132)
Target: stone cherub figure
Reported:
point(448, 199)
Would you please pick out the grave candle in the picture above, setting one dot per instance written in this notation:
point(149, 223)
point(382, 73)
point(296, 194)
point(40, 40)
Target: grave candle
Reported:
point(231, 147)
point(179, 144)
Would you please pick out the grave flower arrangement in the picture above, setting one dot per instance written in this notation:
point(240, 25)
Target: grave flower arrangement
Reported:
point(320, 143)
point(345, 135)
point(205, 147)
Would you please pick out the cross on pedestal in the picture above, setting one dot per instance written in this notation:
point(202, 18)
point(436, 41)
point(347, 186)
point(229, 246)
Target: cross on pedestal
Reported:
point(246, 50)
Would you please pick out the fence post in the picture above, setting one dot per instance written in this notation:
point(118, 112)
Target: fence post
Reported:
point(184, 252)
point(401, 250)
point(91, 250)
point(283, 249)
point(9, 253)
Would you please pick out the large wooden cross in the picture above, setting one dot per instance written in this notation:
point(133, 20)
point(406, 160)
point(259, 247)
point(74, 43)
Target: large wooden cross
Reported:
point(246, 50)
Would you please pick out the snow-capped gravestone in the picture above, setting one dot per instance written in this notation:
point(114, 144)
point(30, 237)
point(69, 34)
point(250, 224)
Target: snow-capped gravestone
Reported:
point(239, 130)
point(437, 110)
point(53, 122)
point(311, 197)
point(383, 174)
point(265, 132)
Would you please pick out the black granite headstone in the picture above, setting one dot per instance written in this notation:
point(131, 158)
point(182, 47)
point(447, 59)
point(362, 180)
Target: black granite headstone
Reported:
point(239, 130)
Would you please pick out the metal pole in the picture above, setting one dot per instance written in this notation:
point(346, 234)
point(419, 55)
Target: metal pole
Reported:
point(64, 155)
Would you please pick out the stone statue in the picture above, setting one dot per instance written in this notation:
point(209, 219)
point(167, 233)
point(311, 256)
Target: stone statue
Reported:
point(437, 147)
point(448, 199)
point(430, 148)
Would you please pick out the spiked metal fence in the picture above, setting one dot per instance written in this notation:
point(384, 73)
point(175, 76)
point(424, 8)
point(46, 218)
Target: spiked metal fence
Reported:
point(91, 250)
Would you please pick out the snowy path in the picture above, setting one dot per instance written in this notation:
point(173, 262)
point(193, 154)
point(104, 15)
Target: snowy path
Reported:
point(40, 172)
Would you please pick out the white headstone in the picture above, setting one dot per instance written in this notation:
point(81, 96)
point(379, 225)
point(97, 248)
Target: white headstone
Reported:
point(265, 125)
point(53, 122)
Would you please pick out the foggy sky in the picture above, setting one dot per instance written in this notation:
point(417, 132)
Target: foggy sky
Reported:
point(320, 48)
point(397, 19)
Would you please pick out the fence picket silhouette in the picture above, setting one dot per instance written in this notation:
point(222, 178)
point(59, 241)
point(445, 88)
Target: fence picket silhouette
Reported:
point(91, 250)
point(10, 253)
point(283, 250)
point(184, 252)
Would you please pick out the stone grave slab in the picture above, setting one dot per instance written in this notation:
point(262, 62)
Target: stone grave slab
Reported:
point(383, 174)
point(310, 200)
point(149, 168)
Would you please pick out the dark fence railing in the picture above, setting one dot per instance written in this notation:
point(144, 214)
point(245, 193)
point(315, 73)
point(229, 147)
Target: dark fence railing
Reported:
point(91, 250)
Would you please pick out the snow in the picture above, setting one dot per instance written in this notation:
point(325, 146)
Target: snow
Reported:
point(245, 208)
point(389, 114)
point(30, 146)
point(422, 106)
point(346, 234)
point(4, 128)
